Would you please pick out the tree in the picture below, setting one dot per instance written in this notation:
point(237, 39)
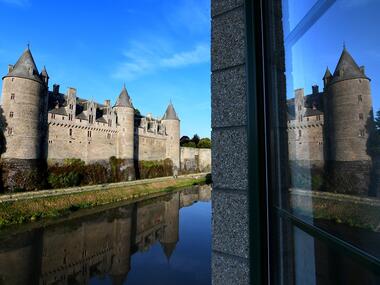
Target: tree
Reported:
point(195, 139)
point(204, 143)
point(190, 144)
point(184, 140)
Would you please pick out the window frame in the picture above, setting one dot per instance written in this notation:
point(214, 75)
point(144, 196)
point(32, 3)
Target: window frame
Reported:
point(264, 217)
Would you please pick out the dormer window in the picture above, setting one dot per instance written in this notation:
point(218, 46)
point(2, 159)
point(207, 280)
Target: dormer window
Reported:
point(12, 96)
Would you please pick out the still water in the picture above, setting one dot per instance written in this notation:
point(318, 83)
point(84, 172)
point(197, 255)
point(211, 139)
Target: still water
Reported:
point(164, 240)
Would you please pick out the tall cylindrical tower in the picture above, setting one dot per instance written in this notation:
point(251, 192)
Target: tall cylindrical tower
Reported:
point(349, 118)
point(24, 103)
point(172, 127)
point(349, 111)
point(125, 115)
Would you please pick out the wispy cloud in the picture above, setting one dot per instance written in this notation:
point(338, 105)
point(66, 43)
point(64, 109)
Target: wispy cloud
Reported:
point(141, 60)
point(200, 54)
point(19, 3)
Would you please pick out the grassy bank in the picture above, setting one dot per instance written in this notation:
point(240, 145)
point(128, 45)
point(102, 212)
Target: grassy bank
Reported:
point(23, 211)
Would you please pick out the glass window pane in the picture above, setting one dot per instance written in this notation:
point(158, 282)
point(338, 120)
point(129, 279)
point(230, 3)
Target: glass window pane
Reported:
point(324, 93)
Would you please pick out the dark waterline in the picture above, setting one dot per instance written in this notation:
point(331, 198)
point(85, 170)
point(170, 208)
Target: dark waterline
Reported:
point(165, 240)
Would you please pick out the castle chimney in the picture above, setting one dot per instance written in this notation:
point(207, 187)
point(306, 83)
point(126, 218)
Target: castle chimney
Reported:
point(315, 89)
point(71, 91)
point(10, 68)
point(107, 103)
point(55, 89)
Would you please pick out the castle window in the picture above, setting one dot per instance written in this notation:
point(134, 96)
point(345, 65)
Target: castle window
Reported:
point(360, 116)
point(318, 117)
point(361, 133)
point(12, 96)
point(360, 98)
point(71, 106)
point(109, 122)
point(117, 120)
point(89, 134)
point(108, 136)
point(70, 117)
point(70, 132)
point(10, 131)
point(91, 119)
point(299, 133)
point(63, 117)
point(53, 116)
point(11, 114)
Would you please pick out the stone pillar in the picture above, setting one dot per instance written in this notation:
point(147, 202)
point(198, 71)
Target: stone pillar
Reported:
point(229, 151)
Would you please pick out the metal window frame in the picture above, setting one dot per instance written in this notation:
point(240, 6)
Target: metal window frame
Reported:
point(262, 213)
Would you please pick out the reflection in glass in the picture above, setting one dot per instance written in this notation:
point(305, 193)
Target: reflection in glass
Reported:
point(325, 109)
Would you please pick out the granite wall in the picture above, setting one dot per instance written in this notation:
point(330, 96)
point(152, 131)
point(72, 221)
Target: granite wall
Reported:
point(230, 262)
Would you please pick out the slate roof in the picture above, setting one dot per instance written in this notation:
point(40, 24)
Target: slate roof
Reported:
point(170, 113)
point(25, 67)
point(124, 100)
point(347, 68)
point(59, 111)
point(81, 116)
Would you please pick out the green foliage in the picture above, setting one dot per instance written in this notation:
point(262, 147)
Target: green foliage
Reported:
point(204, 143)
point(195, 139)
point(190, 144)
point(156, 168)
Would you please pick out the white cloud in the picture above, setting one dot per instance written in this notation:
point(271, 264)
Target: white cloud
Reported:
point(200, 54)
point(20, 3)
point(143, 59)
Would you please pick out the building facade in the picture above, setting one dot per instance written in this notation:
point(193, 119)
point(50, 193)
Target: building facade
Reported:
point(40, 124)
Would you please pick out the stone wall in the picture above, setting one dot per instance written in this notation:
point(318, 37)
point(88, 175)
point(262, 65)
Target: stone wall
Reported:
point(89, 143)
point(230, 250)
point(195, 159)
point(150, 146)
point(306, 140)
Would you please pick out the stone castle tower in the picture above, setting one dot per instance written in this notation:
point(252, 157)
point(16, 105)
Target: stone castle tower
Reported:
point(330, 129)
point(125, 124)
point(42, 125)
point(24, 104)
point(172, 126)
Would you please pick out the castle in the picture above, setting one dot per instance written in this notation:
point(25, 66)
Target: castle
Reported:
point(329, 129)
point(47, 125)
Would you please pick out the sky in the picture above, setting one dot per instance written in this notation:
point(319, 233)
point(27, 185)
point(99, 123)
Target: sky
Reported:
point(353, 22)
point(159, 48)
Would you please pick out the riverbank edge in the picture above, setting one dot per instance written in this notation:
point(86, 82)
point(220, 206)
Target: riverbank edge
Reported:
point(132, 192)
point(88, 188)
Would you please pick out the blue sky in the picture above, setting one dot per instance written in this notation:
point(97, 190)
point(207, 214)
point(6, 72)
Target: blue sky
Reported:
point(159, 48)
point(355, 22)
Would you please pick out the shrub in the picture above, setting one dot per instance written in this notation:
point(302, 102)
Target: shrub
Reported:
point(204, 143)
point(190, 144)
point(156, 168)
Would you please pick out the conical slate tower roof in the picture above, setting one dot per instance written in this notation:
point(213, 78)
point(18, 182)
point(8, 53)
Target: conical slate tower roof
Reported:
point(44, 72)
point(124, 100)
point(170, 113)
point(327, 73)
point(347, 68)
point(168, 248)
point(25, 67)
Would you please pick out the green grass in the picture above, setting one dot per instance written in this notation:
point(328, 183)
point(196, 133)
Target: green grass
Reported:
point(23, 211)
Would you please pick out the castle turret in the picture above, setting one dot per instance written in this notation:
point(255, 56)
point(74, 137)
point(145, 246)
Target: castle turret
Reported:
point(172, 126)
point(24, 103)
point(125, 116)
point(348, 116)
point(170, 235)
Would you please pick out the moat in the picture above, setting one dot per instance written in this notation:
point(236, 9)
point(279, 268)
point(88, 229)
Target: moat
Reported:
point(162, 240)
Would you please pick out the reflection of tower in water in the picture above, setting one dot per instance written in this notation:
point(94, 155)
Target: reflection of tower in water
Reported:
point(170, 237)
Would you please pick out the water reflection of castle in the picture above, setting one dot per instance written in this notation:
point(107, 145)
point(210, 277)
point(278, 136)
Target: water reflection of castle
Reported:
point(97, 245)
point(329, 130)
